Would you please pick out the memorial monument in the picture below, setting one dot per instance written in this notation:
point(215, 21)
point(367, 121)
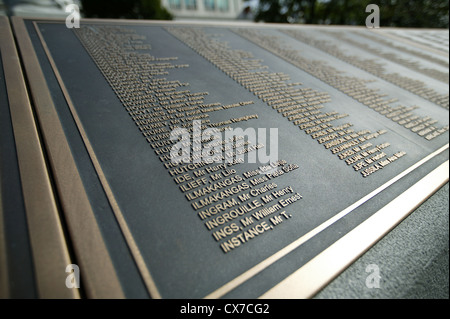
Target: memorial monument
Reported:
point(221, 160)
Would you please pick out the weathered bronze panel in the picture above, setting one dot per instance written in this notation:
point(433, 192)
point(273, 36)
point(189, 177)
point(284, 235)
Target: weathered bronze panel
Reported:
point(300, 147)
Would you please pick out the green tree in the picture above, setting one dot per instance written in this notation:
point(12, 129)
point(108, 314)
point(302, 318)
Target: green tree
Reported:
point(348, 12)
point(125, 9)
point(282, 11)
point(397, 13)
point(414, 13)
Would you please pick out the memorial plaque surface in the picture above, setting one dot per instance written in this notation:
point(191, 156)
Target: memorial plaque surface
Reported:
point(299, 138)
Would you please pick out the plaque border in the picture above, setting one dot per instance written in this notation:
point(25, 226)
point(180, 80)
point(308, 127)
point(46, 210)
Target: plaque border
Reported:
point(48, 243)
point(317, 273)
point(287, 288)
point(143, 269)
point(99, 276)
point(4, 279)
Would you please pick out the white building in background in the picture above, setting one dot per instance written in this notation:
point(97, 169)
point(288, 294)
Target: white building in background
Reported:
point(38, 8)
point(204, 9)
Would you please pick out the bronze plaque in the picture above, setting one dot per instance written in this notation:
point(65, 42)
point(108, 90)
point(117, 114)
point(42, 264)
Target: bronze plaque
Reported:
point(233, 161)
point(33, 247)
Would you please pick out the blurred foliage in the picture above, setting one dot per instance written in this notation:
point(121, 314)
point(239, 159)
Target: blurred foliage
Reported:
point(125, 9)
point(393, 13)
